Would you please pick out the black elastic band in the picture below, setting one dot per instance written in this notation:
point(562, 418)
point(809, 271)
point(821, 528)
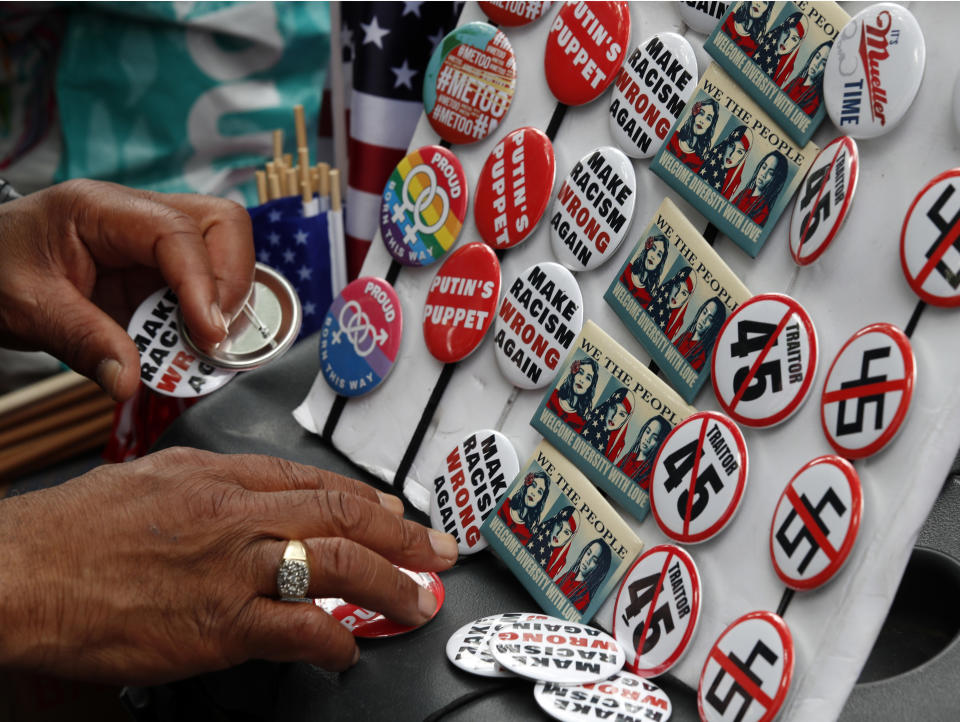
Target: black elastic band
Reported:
point(654, 369)
point(428, 411)
point(393, 272)
point(914, 318)
point(555, 120)
point(784, 601)
point(710, 234)
point(333, 418)
point(444, 143)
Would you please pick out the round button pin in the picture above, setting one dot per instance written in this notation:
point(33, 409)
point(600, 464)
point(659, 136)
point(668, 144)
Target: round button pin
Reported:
point(624, 697)
point(469, 83)
point(868, 391)
point(765, 360)
point(824, 200)
point(702, 17)
point(874, 70)
point(475, 473)
point(167, 365)
point(514, 188)
point(540, 315)
point(469, 647)
point(753, 656)
point(699, 477)
point(369, 624)
point(592, 211)
point(265, 328)
point(549, 650)
point(461, 302)
point(641, 112)
point(423, 206)
point(657, 609)
point(513, 14)
point(816, 522)
point(930, 241)
point(585, 49)
point(360, 336)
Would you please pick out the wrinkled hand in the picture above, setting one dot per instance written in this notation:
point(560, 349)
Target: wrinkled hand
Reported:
point(166, 567)
point(84, 244)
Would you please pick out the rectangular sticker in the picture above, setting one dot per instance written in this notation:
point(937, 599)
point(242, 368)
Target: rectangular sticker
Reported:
point(564, 542)
point(674, 293)
point(608, 414)
point(777, 53)
point(731, 162)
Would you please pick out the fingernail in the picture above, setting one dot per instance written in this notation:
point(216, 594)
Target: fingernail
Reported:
point(444, 545)
point(356, 656)
point(426, 602)
point(391, 503)
point(108, 374)
point(216, 315)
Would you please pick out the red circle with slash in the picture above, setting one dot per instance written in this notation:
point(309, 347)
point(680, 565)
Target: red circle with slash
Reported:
point(654, 636)
point(860, 376)
point(514, 188)
point(698, 477)
point(586, 46)
point(368, 624)
point(513, 14)
point(764, 360)
point(757, 646)
point(815, 219)
point(928, 236)
point(816, 522)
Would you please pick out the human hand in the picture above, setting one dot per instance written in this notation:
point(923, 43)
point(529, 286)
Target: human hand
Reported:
point(166, 567)
point(80, 245)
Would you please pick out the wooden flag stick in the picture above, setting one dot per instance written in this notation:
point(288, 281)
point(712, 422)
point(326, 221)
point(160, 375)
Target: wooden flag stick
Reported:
point(301, 127)
point(335, 189)
point(262, 195)
point(273, 183)
point(323, 182)
point(303, 169)
point(278, 146)
point(290, 186)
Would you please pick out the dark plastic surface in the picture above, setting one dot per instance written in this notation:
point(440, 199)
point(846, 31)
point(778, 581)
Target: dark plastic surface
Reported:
point(913, 671)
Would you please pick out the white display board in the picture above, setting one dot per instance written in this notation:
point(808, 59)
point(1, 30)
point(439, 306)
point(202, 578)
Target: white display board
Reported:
point(858, 281)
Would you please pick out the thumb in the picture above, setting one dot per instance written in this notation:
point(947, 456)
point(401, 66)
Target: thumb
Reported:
point(89, 341)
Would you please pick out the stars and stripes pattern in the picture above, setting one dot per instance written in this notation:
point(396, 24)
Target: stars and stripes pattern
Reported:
point(299, 248)
point(386, 47)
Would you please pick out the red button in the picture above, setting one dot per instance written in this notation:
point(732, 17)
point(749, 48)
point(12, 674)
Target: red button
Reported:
point(585, 49)
point(469, 82)
point(369, 624)
point(513, 14)
point(461, 302)
point(514, 188)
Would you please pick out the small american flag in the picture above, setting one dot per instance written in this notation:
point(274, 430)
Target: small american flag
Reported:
point(386, 47)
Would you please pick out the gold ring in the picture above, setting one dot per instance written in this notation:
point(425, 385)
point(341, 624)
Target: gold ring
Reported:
point(293, 575)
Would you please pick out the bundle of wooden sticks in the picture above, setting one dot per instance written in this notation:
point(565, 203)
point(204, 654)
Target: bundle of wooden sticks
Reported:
point(285, 176)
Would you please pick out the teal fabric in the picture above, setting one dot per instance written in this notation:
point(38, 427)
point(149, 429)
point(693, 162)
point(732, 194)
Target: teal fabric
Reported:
point(184, 96)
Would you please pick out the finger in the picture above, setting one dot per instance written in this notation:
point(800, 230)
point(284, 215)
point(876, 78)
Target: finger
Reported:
point(228, 235)
point(121, 227)
point(266, 473)
point(294, 632)
point(327, 513)
point(86, 339)
point(343, 568)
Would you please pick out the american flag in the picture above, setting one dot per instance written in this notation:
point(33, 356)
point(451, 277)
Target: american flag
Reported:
point(386, 47)
point(299, 248)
